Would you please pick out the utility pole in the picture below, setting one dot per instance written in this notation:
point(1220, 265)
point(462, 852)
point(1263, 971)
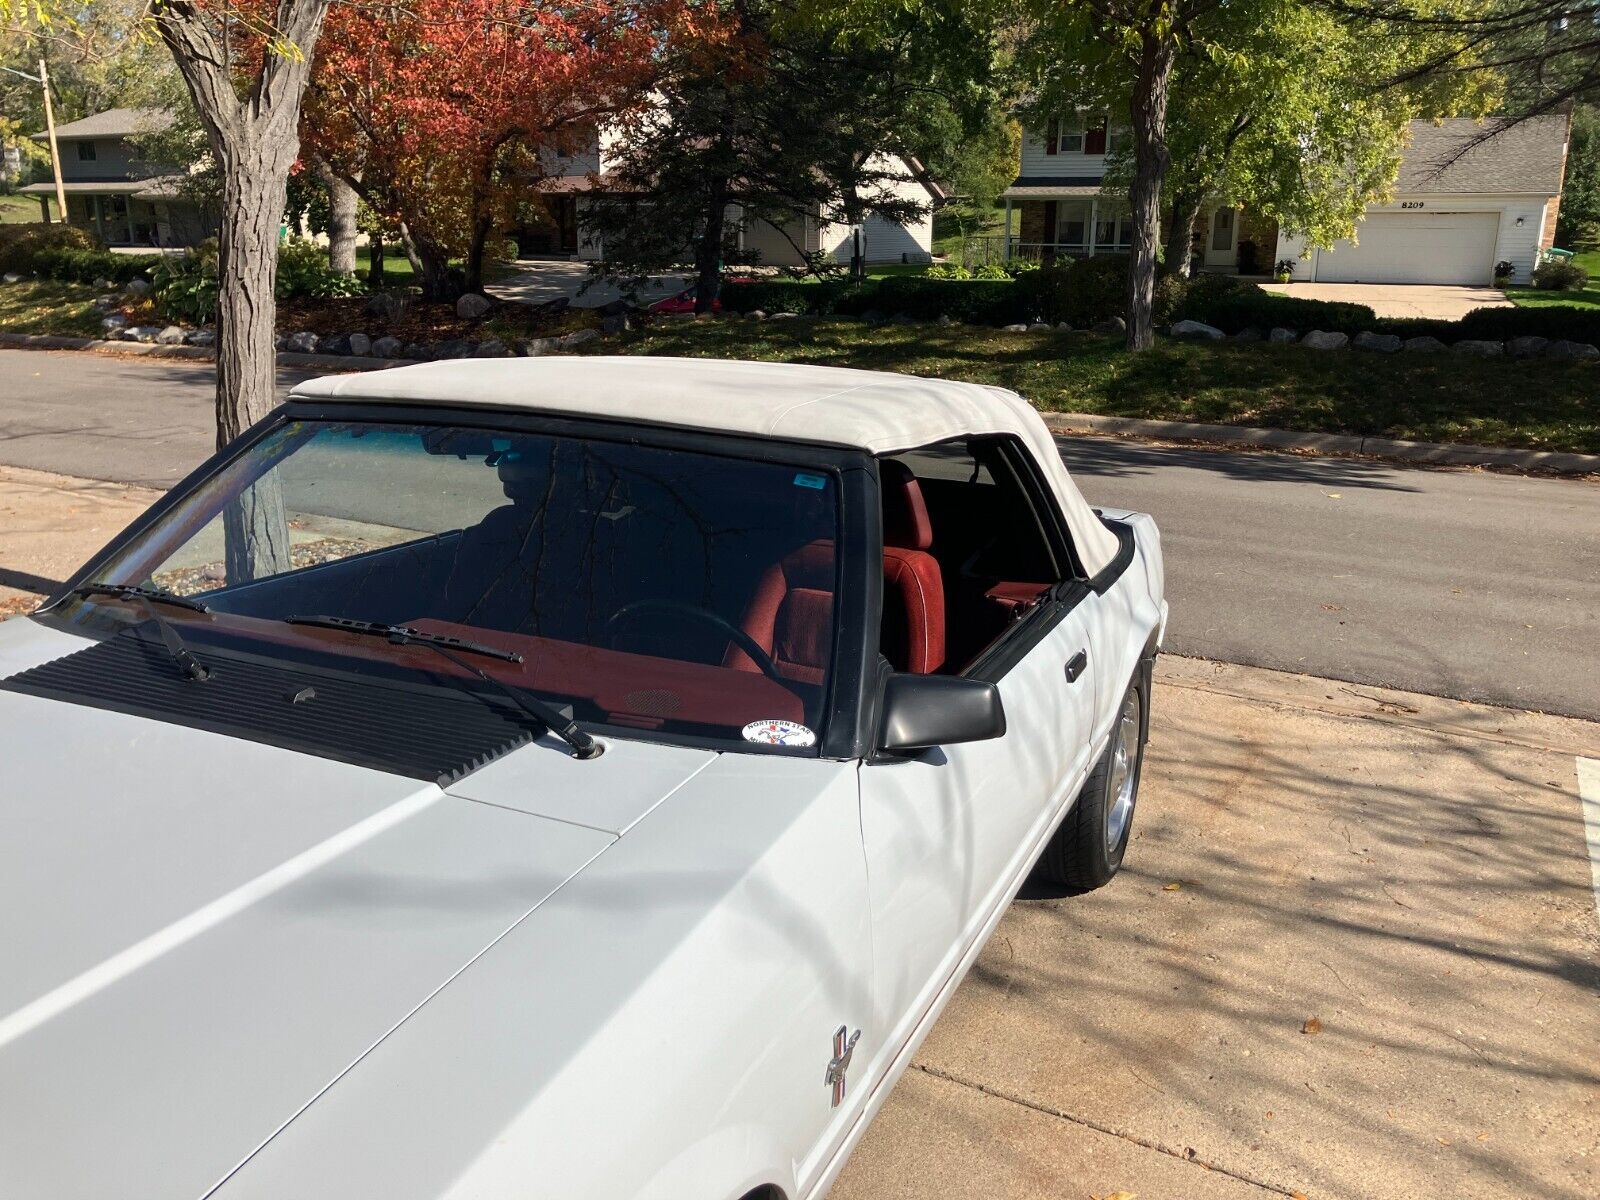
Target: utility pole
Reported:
point(55, 151)
point(43, 80)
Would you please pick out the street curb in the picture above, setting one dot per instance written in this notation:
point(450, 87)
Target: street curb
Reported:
point(286, 358)
point(1438, 453)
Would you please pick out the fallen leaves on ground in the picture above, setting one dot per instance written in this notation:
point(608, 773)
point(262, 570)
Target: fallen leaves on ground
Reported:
point(1312, 1025)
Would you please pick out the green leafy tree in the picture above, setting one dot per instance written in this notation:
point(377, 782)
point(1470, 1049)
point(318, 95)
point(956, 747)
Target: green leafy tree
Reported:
point(1578, 224)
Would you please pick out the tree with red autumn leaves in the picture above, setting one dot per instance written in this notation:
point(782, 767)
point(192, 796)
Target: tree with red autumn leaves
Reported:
point(440, 113)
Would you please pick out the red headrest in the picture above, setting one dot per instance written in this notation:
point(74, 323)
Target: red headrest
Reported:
point(905, 515)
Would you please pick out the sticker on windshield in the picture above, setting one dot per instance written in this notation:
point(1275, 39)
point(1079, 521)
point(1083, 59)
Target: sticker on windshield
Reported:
point(807, 480)
point(779, 733)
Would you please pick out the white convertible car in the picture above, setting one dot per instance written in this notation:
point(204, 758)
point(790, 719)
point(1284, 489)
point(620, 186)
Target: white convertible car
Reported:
point(567, 778)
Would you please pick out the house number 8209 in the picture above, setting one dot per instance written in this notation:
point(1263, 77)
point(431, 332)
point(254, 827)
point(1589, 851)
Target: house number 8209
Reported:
point(1412, 203)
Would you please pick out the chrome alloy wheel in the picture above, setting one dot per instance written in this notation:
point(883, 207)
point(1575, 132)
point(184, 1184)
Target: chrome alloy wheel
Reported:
point(1120, 792)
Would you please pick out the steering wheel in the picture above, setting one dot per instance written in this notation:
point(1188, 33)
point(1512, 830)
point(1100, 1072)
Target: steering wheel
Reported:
point(738, 636)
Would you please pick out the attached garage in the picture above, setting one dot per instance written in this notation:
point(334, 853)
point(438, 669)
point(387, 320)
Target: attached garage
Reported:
point(1415, 247)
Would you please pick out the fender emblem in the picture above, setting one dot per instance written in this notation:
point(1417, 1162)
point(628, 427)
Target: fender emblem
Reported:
point(844, 1049)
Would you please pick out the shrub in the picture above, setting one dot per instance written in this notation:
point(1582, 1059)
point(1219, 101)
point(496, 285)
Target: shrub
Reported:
point(991, 271)
point(303, 272)
point(66, 253)
point(19, 243)
point(948, 271)
point(185, 287)
point(1244, 305)
point(1561, 276)
point(783, 295)
point(1504, 269)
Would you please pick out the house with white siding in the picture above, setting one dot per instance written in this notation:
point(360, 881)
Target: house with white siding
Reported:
point(558, 201)
point(1463, 202)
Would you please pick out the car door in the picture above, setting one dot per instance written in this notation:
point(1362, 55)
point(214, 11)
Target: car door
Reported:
point(948, 832)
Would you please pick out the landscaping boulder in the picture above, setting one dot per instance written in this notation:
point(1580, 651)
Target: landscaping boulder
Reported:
point(1319, 339)
point(451, 348)
point(1526, 346)
point(578, 337)
point(1281, 336)
point(1063, 327)
point(1480, 348)
point(1571, 350)
point(388, 347)
point(537, 347)
point(615, 323)
point(336, 343)
point(11, 277)
point(1013, 329)
point(1041, 327)
point(103, 284)
point(1248, 334)
point(1378, 343)
point(281, 341)
point(492, 348)
point(303, 342)
point(1196, 331)
point(114, 321)
point(418, 352)
point(201, 337)
point(172, 335)
point(1111, 325)
point(385, 306)
point(142, 333)
point(360, 344)
point(137, 287)
point(784, 316)
point(1422, 345)
point(944, 319)
point(473, 305)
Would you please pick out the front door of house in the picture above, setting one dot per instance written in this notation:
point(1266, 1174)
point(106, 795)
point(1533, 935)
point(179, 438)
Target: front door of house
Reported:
point(1222, 246)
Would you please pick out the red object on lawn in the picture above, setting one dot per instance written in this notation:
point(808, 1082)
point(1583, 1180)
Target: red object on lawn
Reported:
point(683, 302)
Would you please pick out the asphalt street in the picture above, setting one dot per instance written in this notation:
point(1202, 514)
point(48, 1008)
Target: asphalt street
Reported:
point(1464, 584)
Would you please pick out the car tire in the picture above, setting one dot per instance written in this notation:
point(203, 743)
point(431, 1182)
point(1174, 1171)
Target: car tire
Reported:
point(1087, 848)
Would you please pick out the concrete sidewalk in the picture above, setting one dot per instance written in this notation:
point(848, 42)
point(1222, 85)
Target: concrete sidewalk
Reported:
point(50, 524)
point(1353, 956)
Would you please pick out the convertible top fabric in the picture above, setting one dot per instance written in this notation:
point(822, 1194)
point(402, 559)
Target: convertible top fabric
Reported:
point(879, 412)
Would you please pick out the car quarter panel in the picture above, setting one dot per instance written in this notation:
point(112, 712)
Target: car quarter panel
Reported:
point(661, 1028)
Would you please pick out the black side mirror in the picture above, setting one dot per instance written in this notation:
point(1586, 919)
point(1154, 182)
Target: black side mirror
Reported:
point(923, 711)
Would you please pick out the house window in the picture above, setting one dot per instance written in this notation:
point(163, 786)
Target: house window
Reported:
point(1071, 141)
point(1072, 228)
point(1113, 230)
point(85, 151)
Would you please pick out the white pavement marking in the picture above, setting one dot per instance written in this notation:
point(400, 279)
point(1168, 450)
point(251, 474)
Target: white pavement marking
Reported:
point(1589, 796)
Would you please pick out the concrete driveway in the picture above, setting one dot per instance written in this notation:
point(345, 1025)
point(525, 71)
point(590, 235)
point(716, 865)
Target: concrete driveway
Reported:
point(1353, 955)
point(1400, 300)
point(535, 280)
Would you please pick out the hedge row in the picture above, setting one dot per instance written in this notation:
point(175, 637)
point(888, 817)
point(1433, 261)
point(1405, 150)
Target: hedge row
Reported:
point(66, 253)
point(1087, 292)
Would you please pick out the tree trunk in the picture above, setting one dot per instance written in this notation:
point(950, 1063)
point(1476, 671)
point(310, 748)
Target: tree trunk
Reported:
point(375, 257)
point(341, 221)
point(1148, 108)
point(431, 265)
point(1180, 238)
point(481, 228)
point(708, 254)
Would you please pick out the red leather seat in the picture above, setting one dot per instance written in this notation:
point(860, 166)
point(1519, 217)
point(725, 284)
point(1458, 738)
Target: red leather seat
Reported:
point(791, 614)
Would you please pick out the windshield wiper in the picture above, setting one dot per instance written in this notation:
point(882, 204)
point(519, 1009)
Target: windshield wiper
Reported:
point(147, 599)
point(583, 746)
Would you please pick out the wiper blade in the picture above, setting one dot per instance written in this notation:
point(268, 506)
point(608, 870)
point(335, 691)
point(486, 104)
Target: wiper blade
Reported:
point(404, 635)
point(130, 591)
point(147, 599)
point(557, 722)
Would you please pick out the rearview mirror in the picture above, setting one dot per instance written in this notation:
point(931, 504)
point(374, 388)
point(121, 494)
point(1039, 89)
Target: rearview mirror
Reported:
point(922, 711)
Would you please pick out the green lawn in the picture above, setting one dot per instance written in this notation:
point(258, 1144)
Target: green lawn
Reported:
point(18, 210)
point(1527, 297)
point(396, 266)
point(1450, 398)
point(46, 307)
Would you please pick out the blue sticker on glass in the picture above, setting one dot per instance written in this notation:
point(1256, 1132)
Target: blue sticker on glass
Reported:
point(810, 481)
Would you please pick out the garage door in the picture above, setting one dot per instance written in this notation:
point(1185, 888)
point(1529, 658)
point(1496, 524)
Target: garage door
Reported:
point(1415, 248)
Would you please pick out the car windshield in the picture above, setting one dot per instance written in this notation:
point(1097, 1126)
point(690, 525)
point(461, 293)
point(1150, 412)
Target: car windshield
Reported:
point(641, 588)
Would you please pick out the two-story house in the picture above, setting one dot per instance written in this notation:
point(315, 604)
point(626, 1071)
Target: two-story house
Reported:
point(112, 191)
point(1461, 204)
point(557, 202)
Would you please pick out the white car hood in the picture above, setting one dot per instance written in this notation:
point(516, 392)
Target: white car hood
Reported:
point(200, 934)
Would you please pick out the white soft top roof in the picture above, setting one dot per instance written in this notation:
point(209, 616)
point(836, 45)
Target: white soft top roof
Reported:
point(871, 410)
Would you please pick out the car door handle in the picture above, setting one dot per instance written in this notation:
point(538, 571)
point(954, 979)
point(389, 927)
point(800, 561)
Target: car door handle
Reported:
point(1076, 664)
